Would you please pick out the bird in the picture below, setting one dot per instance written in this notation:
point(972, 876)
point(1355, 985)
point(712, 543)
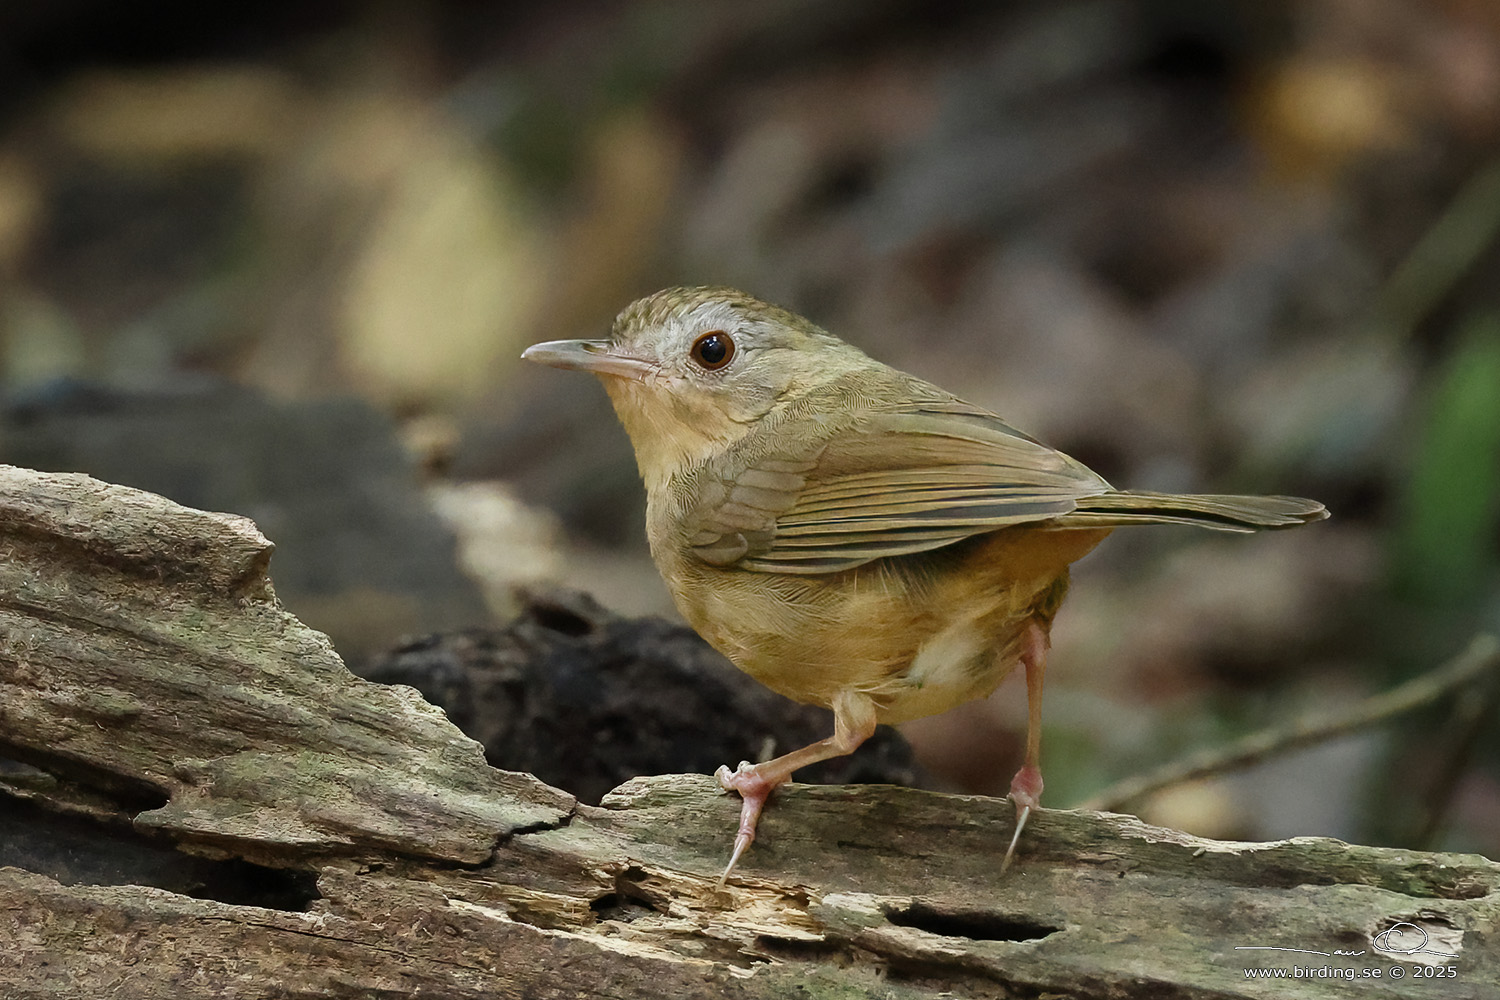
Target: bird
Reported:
point(850, 535)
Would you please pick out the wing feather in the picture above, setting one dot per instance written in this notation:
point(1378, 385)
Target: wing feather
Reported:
point(908, 478)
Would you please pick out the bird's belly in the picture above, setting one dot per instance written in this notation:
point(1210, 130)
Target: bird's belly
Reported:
point(915, 651)
point(965, 660)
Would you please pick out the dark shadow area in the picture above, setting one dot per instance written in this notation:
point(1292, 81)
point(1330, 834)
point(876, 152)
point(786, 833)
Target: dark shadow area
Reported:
point(977, 925)
point(80, 852)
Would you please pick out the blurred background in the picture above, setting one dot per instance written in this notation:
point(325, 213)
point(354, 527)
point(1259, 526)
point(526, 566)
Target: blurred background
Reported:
point(281, 259)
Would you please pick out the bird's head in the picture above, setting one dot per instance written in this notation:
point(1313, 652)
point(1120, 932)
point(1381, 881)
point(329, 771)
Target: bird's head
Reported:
point(693, 370)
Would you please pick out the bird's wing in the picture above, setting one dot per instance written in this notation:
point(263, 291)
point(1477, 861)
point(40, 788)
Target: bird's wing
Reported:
point(897, 481)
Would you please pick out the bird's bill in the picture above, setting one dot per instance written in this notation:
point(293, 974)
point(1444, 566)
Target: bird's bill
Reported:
point(597, 356)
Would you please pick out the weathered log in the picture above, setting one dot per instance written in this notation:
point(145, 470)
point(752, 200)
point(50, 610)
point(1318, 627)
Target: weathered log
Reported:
point(339, 837)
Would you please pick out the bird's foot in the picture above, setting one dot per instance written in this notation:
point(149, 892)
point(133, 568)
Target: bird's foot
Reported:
point(1025, 795)
point(753, 790)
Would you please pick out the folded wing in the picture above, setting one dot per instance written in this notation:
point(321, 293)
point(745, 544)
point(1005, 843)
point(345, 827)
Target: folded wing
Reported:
point(911, 478)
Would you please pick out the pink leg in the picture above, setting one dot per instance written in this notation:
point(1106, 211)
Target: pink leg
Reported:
point(1026, 786)
point(853, 722)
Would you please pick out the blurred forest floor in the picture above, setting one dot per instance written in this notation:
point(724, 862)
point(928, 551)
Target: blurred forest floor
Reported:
point(281, 259)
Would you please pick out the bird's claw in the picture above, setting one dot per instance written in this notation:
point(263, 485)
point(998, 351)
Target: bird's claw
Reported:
point(1026, 794)
point(742, 840)
point(732, 781)
point(753, 790)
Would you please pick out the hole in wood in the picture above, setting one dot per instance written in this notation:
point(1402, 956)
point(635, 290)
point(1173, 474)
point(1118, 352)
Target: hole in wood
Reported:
point(631, 899)
point(244, 884)
point(77, 851)
point(25, 767)
point(613, 906)
point(977, 925)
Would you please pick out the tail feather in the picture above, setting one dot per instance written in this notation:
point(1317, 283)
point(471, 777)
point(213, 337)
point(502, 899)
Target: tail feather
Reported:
point(1222, 513)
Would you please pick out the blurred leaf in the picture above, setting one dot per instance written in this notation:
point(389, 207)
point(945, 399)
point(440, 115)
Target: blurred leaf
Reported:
point(1446, 542)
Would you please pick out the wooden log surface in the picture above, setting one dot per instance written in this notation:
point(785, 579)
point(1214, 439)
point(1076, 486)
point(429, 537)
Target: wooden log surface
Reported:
point(202, 801)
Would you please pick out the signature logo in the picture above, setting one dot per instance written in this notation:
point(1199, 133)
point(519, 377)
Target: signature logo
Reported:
point(1406, 939)
point(1401, 938)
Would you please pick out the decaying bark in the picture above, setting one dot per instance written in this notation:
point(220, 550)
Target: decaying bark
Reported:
point(336, 837)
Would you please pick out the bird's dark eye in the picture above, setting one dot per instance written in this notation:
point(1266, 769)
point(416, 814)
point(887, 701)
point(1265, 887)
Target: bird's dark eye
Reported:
point(713, 350)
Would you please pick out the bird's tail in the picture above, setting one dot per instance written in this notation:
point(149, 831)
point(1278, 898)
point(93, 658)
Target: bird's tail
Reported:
point(1222, 513)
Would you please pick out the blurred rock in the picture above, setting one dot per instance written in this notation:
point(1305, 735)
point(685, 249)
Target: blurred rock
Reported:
point(502, 543)
point(359, 554)
point(585, 700)
point(553, 436)
point(506, 546)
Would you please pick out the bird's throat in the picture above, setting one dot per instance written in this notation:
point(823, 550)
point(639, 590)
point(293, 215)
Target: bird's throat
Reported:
point(668, 432)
